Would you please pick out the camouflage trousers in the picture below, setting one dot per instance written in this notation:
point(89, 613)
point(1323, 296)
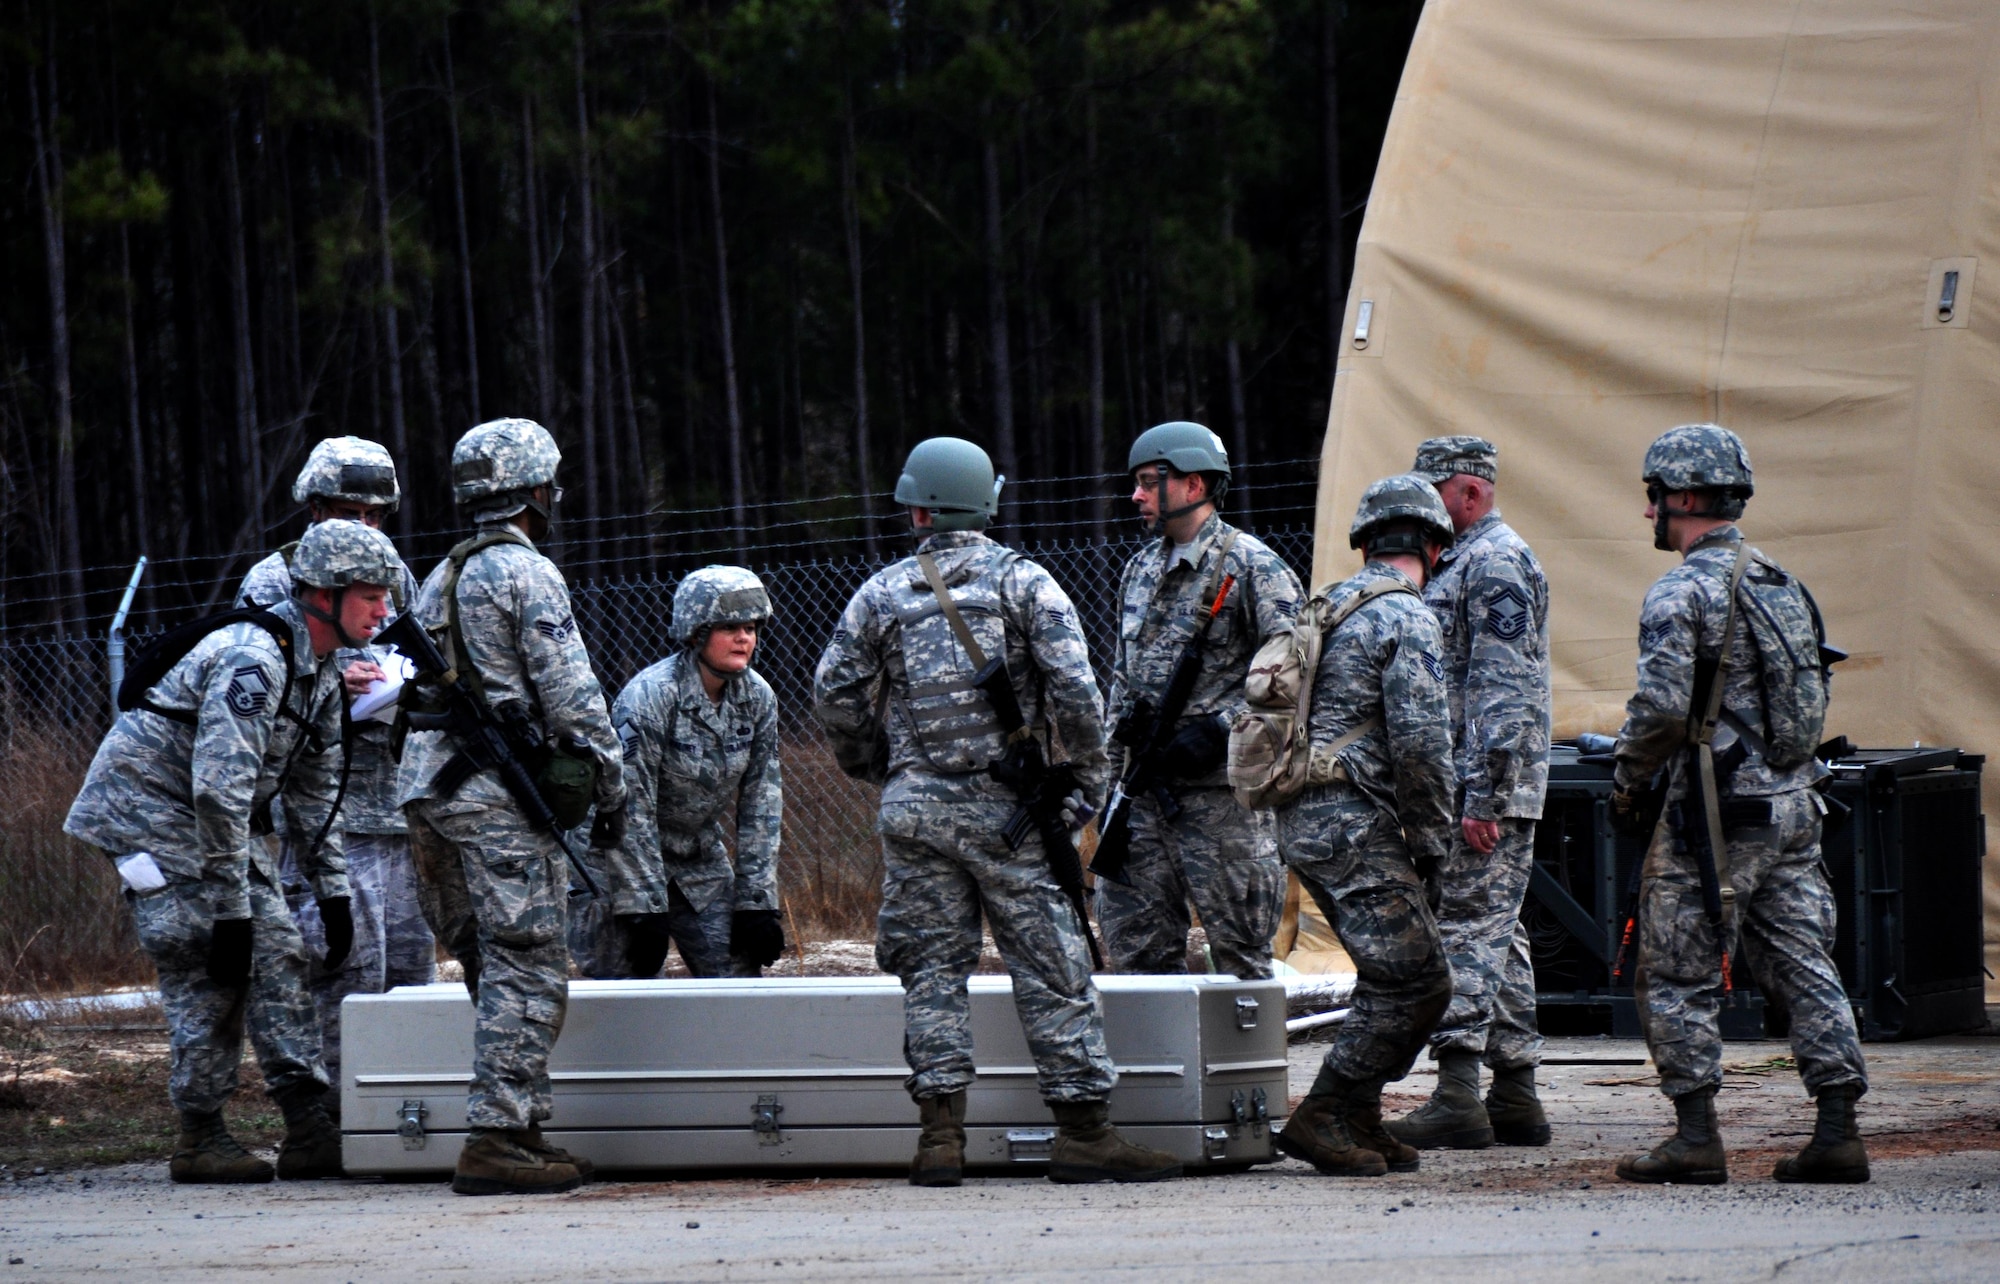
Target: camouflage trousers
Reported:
point(493, 889)
point(1784, 919)
point(599, 942)
point(205, 1021)
point(1218, 854)
point(944, 867)
point(392, 944)
point(1492, 1008)
point(1359, 872)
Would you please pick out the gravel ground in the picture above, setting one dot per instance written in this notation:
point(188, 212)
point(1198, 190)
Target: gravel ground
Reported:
point(1932, 1212)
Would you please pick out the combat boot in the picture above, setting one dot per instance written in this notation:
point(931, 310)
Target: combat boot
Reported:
point(1514, 1109)
point(1693, 1155)
point(1364, 1124)
point(206, 1152)
point(541, 1145)
point(1088, 1148)
point(1454, 1118)
point(1318, 1133)
point(1835, 1153)
point(499, 1162)
point(311, 1147)
point(940, 1157)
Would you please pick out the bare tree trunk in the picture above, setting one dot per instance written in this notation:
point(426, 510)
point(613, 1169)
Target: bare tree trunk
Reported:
point(736, 496)
point(249, 444)
point(586, 413)
point(135, 436)
point(1094, 319)
point(464, 241)
point(49, 176)
point(399, 437)
point(996, 323)
point(634, 446)
point(1239, 421)
point(531, 197)
point(1336, 272)
point(851, 210)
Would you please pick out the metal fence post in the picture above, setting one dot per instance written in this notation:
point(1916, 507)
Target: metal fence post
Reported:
point(115, 643)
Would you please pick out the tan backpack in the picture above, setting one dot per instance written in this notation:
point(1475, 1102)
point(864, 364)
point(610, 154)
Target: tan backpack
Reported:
point(1271, 756)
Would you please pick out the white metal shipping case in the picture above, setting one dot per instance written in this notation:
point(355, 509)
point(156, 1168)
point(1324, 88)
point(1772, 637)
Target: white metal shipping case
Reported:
point(808, 1073)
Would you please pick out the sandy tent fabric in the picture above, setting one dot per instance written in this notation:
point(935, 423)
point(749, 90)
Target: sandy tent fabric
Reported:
point(1594, 221)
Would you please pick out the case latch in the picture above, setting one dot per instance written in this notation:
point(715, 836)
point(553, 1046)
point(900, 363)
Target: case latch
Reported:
point(1253, 1108)
point(411, 1125)
point(1246, 1012)
point(1030, 1145)
point(764, 1119)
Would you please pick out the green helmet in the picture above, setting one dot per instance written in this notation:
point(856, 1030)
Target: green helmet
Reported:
point(494, 466)
point(1405, 497)
point(717, 595)
point(348, 468)
point(954, 479)
point(1188, 448)
point(336, 554)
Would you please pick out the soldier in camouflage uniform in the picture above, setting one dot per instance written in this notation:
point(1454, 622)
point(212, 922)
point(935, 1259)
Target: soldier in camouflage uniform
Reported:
point(700, 731)
point(243, 723)
point(1698, 478)
point(894, 692)
point(1492, 604)
point(1217, 853)
point(1371, 820)
point(347, 478)
point(494, 884)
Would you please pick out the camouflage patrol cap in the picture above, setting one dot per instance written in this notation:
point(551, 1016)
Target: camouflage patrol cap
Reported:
point(718, 595)
point(1442, 458)
point(349, 468)
point(338, 553)
point(1698, 457)
point(494, 466)
point(1405, 497)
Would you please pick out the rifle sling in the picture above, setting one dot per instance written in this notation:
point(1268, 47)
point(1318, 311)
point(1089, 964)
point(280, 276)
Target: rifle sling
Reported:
point(1704, 744)
point(960, 629)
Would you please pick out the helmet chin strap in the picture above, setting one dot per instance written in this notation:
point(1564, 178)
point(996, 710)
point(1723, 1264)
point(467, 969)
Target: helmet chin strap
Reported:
point(339, 629)
point(1158, 524)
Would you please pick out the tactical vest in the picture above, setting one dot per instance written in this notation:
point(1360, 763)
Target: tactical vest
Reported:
point(953, 726)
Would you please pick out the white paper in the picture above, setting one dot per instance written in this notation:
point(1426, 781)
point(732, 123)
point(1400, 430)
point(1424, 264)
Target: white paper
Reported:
point(379, 701)
point(141, 872)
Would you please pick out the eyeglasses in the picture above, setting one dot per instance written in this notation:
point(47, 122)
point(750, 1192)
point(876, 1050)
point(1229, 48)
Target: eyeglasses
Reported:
point(1153, 478)
point(555, 494)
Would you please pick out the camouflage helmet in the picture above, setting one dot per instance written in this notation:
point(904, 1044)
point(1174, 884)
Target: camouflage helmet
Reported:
point(1698, 457)
point(349, 468)
point(717, 595)
point(1405, 497)
point(953, 478)
point(495, 465)
point(1186, 447)
point(336, 554)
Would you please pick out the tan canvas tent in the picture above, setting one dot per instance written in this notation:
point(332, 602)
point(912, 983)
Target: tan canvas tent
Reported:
point(1592, 221)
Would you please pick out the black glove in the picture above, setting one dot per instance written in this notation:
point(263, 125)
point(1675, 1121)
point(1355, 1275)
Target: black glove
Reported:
point(647, 941)
point(608, 830)
point(229, 952)
point(757, 936)
point(337, 916)
point(1634, 811)
point(1196, 750)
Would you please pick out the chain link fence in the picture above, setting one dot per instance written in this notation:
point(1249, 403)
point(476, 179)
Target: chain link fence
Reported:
point(59, 919)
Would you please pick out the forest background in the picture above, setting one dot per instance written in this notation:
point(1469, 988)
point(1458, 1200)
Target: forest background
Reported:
point(737, 256)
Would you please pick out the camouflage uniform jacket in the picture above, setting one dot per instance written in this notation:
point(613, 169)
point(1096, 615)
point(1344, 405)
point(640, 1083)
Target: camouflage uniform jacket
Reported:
point(1492, 603)
point(866, 662)
point(370, 805)
point(1682, 618)
point(1384, 661)
point(187, 793)
point(1159, 608)
point(520, 633)
point(686, 760)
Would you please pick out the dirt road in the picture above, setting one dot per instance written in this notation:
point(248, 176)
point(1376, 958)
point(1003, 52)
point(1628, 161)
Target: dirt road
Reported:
point(1933, 1211)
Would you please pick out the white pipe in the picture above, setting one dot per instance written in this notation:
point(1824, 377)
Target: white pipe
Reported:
point(115, 642)
point(1315, 1021)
